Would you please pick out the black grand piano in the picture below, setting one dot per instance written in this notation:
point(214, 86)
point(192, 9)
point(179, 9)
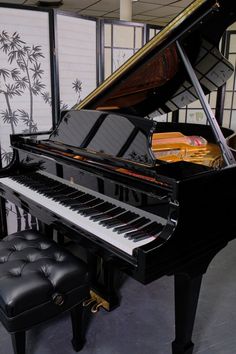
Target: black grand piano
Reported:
point(145, 198)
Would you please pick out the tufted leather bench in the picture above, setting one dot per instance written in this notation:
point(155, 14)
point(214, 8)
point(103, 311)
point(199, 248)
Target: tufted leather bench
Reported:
point(39, 280)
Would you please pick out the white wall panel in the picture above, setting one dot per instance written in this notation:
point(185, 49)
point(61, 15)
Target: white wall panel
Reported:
point(121, 42)
point(25, 81)
point(32, 49)
point(77, 58)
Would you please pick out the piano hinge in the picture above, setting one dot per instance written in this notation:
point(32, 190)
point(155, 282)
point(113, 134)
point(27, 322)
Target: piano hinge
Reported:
point(96, 301)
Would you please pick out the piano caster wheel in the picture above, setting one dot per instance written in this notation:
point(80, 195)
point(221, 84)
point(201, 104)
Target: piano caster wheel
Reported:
point(97, 302)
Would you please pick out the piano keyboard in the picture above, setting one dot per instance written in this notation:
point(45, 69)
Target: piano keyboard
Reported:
point(112, 221)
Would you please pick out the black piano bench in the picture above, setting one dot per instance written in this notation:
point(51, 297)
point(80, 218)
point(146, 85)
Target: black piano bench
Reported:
point(38, 281)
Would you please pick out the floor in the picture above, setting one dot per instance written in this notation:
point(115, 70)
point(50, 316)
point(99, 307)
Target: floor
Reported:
point(144, 323)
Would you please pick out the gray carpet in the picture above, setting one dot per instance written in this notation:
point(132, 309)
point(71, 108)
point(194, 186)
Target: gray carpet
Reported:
point(144, 323)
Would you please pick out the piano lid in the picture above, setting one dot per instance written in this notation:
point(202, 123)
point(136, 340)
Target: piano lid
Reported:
point(154, 79)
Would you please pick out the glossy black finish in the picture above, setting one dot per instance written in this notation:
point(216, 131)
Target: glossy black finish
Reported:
point(40, 280)
point(115, 135)
point(92, 149)
point(3, 218)
point(3, 214)
point(186, 289)
point(18, 342)
point(227, 154)
point(166, 86)
point(189, 246)
point(107, 139)
point(185, 194)
point(175, 193)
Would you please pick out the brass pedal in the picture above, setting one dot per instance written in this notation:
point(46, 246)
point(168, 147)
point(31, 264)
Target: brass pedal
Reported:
point(88, 302)
point(97, 302)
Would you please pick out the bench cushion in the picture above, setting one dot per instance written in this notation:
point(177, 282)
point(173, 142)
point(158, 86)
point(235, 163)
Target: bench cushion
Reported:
point(37, 275)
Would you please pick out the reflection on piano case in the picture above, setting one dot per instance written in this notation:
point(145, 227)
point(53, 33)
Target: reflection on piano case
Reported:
point(147, 198)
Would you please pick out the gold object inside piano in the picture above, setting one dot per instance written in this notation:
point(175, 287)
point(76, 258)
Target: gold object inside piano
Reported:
point(174, 146)
point(96, 301)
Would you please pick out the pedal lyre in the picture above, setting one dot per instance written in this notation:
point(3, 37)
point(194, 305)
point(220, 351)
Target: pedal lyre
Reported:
point(97, 302)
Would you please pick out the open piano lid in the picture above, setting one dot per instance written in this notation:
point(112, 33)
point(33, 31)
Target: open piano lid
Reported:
point(154, 79)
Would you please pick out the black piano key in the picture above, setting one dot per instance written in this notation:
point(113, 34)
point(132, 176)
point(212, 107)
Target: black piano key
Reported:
point(51, 186)
point(149, 230)
point(132, 226)
point(72, 201)
point(56, 197)
point(107, 215)
point(82, 207)
point(156, 230)
point(43, 184)
point(140, 232)
point(48, 188)
point(54, 194)
point(50, 191)
point(134, 234)
point(95, 208)
point(119, 220)
point(111, 223)
point(81, 199)
point(92, 208)
point(65, 190)
point(141, 237)
point(154, 233)
point(101, 208)
point(73, 196)
point(61, 196)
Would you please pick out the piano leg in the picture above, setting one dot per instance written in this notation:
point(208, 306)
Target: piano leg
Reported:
point(111, 275)
point(60, 238)
point(187, 290)
point(46, 230)
point(3, 218)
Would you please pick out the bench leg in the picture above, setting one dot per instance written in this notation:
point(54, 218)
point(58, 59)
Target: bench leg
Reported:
point(78, 327)
point(18, 342)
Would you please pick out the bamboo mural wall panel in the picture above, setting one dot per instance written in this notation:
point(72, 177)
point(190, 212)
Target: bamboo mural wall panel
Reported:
point(24, 86)
point(77, 58)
